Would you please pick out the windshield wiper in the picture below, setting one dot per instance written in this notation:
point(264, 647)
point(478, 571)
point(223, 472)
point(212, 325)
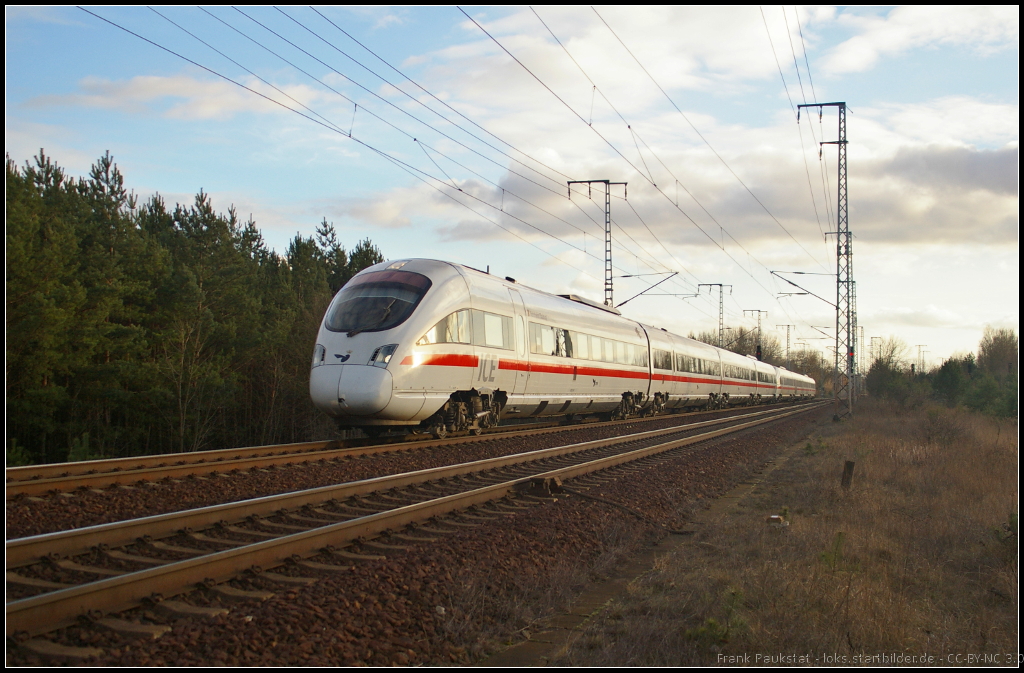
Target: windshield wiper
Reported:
point(387, 312)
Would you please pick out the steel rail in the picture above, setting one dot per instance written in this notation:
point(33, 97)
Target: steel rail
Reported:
point(27, 550)
point(34, 480)
point(46, 612)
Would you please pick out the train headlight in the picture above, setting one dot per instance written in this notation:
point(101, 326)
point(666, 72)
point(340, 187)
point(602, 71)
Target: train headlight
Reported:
point(319, 353)
point(382, 356)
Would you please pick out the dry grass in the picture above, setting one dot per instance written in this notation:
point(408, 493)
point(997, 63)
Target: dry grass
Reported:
point(919, 557)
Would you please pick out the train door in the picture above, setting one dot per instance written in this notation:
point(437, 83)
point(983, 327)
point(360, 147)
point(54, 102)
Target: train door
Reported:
point(522, 356)
point(650, 361)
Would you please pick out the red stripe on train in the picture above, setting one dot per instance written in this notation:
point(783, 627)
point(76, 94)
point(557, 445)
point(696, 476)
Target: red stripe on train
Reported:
point(445, 360)
point(460, 360)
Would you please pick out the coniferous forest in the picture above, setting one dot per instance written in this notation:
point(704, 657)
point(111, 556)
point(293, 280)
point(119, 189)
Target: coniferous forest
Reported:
point(140, 328)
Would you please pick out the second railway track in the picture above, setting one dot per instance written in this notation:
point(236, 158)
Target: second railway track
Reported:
point(35, 480)
point(115, 569)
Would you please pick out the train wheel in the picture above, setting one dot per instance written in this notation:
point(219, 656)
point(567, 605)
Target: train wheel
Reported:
point(476, 432)
point(439, 432)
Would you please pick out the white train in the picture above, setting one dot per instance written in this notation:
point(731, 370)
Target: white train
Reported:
point(444, 348)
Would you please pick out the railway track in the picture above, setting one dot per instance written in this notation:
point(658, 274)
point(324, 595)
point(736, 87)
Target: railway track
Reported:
point(117, 566)
point(36, 480)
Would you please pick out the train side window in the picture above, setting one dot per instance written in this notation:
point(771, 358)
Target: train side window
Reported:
point(490, 329)
point(662, 360)
point(542, 339)
point(582, 344)
point(453, 329)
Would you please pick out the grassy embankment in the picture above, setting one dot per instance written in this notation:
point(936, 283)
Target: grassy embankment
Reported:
point(918, 557)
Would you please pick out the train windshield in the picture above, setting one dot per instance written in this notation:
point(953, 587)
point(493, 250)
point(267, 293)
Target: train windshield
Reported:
point(376, 301)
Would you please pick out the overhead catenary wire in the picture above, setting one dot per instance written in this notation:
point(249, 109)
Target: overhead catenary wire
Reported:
point(436, 183)
point(335, 129)
point(810, 78)
point(796, 66)
point(445, 104)
point(612, 146)
point(617, 151)
point(393, 126)
point(699, 134)
point(385, 121)
point(803, 150)
point(429, 126)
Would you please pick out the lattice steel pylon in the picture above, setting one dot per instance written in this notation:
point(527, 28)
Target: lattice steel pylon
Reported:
point(846, 302)
point(607, 231)
point(721, 309)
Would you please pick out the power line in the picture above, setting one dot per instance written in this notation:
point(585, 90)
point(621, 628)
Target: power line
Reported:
point(331, 126)
point(409, 135)
point(635, 136)
point(578, 116)
point(724, 162)
point(616, 150)
point(803, 150)
point(334, 129)
point(442, 102)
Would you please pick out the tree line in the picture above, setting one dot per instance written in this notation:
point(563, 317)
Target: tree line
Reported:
point(138, 328)
point(985, 382)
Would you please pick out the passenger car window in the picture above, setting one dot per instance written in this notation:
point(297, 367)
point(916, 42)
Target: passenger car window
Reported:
point(453, 329)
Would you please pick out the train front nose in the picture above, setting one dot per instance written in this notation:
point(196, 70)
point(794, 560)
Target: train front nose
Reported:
point(351, 390)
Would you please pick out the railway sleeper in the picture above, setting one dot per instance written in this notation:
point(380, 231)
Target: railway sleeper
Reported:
point(15, 578)
point(286, 579)
point(316, 565)
point(163, 546)
point(333, 515)
point(51, 651)
point(66, 564)
point(283, 526)
point(182, 610)
point(384, 546)
point(353, 556)
point(413, 538)
point(434, 531)
point(460, 524)
point(247, 531)
point(230, 593)
point(131, 629)
point(199, 537)
point(134, 558)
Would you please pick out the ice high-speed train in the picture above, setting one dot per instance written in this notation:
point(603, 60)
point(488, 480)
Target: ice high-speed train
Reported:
point(441, 347)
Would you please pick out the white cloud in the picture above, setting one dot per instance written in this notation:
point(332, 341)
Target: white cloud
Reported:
point(986, 29)
point(950, 120)
point(182, 97)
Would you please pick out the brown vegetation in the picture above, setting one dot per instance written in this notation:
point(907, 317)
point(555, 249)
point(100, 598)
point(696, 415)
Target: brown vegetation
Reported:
point(918, 558)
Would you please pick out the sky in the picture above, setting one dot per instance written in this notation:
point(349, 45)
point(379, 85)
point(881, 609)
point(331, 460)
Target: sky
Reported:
point(451, 134)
